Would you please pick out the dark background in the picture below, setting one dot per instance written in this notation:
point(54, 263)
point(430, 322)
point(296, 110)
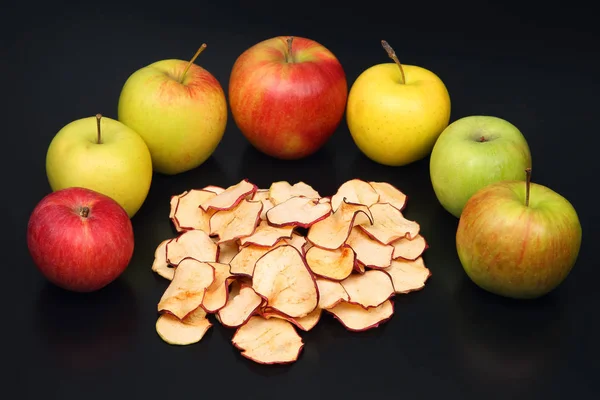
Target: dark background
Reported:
point(532, 64)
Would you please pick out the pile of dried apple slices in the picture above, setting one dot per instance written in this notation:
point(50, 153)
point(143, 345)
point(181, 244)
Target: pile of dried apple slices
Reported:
point(268, 262)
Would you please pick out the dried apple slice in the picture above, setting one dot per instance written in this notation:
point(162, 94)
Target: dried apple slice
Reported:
point(160, 264)
point(186, 291)
point(305, 323)
point(230, 197)
point(282, 191)
point(369, 289)
point(331, 264)
point(267, 235)
point(239, 307)
point(181, 332)
point(236, 222)
point(389, 224)
point(244, 261)
point(298, 211)
point(370, 252)
point(227, 250)
point(389, 194)
point(409, 249)
point(268, 341)
point(173, 207)
point(213, 188)
point(356, 318)
point(188, 213)
point(195, 244)
point(282, 277)
point(408, 276)
point(262, 195)
point(330, 293)
point(215, 296)
point(331, 232)
point(355, 191)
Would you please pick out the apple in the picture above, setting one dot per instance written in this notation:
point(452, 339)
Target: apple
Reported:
point(80, 239)
point(474, 152)
point(179, 109)
point(103, 155)
point(396, 112)
point(287, 96)
point(518, 239)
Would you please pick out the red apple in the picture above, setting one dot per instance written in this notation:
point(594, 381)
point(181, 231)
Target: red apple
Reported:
point(79, 239)
point(287, 96)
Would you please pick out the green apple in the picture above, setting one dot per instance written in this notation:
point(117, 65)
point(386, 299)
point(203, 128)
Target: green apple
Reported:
point(518, 239)
point(179, 109)
point(472, 153)
point(103, 155)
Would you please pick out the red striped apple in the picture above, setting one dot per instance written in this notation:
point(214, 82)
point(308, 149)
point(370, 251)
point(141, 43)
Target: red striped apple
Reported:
point(80, 240)
point(287, 96)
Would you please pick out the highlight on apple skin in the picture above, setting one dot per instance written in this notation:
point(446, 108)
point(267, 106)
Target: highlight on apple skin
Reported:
point(287, 96)
point(79, 239)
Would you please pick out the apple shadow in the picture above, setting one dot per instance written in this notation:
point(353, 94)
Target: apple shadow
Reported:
point(86, 331)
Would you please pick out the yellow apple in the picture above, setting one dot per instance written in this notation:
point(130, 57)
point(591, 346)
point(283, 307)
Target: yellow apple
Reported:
point(395, 112)
point(180, 111)
point(104, 155)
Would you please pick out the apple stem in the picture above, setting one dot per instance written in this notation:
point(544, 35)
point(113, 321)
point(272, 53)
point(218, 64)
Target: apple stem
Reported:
point(289, 58)
point(84, 212)
point(200, 50)
point(98, 118)
point(392, 54)
point(527, 186)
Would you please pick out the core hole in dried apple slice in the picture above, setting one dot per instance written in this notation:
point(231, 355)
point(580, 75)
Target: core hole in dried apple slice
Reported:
point(181, 332)
point(357, 319)
point(331, 264)
point(160, 264)
point(237, 222)
point(298, 211)
point(409, 249)
point(282, 277)
point(408, 276)
point(369, 289)
point(240, 307)
point(267, 235)
point(193, 243)
point(331, 232)
point(370, 252)
point(188, 213)
point(268, 341)
point(282, 191)
point(186, 291)
point(215, 296)
point(230, 197)
point(330, 293)
point(389, 224)
point(389, 194)
point(355, 191)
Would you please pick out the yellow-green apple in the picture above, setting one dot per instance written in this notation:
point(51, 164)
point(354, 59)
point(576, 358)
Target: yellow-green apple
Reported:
point(287, 96)
point(518, 239)
point(474, 152)
point(396, 112)
point(180, 110)
point(104, 155)
point(80, 239)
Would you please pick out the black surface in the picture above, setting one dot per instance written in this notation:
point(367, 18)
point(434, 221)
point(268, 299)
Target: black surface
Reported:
point(535, 67)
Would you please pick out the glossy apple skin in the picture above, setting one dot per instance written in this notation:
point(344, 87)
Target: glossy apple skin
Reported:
point(287, 110)
point(80, 254)
point(516, 251)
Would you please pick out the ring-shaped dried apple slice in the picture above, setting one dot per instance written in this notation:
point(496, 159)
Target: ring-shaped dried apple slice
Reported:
point(230, 197)
point(331, 264)
point(282, 277)
point(188, 213)
point(388, 193)
point(268, 341)
point(160, 264)
point(282, 191)
point(240, 307)
point(237, 222)
point(370, 252)
point(195, 244)
point(369, 289)
point(186, 291)
point(298, 211)
point(332, 232)
point(409, 249)
point(330, 293)
point(389, 224)
point(216, 294)
point(355, 191)
point(357, 319)
point(182, 332)
point(267, 235)
point(408, 276)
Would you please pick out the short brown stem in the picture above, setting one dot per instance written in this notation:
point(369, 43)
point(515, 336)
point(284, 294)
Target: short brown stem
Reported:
point(200, 50)
point(289, 58)
point(98, 118)
point(84, 212)
point(392, 54)
point(527, 185)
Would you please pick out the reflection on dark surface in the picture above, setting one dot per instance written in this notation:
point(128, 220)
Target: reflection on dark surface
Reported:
point(502, 342)
point(86, 331)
